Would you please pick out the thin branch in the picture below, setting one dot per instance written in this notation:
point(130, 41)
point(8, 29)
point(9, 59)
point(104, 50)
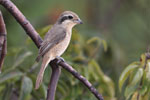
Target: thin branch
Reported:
point(82, 79)
point(37, 40)
point(22, 21)
point(3, 41)
point(56, 71)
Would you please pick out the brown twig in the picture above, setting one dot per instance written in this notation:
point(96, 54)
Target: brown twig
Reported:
point(82, 79)
point(37, 40)
point(3, 41)
point(56, 71)
point(22, 21)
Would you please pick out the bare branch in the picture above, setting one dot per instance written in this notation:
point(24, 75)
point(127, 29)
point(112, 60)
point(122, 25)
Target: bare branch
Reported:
point(22, 21)
point(37, 40)
point(82, 79)
point(3, 41)
point(56, 71)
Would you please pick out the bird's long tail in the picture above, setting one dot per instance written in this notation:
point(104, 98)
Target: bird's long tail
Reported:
point(39, 79)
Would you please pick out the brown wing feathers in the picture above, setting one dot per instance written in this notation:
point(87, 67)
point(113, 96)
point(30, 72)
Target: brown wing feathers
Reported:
point(51, 41)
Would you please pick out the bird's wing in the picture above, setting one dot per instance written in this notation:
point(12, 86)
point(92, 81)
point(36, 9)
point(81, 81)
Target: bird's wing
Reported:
point(53, 37)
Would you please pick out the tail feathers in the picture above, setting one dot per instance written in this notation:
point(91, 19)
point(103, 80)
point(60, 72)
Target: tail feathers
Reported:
point(39, 79)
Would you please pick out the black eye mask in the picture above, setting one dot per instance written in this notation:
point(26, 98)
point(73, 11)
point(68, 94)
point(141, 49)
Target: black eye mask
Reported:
point(65, 18)
point(70, 17)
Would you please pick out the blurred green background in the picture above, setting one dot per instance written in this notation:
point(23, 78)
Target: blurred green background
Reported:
point(120, 26)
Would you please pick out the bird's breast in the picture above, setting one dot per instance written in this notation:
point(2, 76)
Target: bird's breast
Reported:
point(60, 48)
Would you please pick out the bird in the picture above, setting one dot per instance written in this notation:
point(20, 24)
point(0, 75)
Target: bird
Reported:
point(56, 41)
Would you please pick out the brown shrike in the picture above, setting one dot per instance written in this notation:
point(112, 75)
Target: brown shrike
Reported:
point(56, 41)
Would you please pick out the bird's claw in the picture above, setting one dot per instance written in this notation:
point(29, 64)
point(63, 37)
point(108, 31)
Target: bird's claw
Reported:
point(60, 59)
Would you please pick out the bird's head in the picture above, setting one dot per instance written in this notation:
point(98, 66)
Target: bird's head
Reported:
point(69, 19)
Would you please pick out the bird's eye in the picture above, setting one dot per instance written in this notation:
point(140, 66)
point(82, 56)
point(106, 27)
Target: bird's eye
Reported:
point(70, 17)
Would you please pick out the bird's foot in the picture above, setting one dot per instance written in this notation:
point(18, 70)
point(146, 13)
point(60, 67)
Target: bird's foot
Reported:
point(60, 59)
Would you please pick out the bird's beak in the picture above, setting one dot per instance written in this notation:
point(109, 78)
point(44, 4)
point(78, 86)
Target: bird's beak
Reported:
point(78, 21)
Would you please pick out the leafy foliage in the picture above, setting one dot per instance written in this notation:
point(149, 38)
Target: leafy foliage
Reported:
point(137, 73)
point(123, 24)
point(80, 54)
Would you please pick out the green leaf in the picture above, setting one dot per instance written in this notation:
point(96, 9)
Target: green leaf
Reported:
point(126, 72)
point(137, 76)
point(134, 96)
point(143, 90)
point(26, 88)
point(143, 59)
point(7, 92)
point(109, 86)
point(41, 92)
point(132, 87)
point(94, 39)
point(62, 88)
point(129, 90)
point(99, 76)
point(95, 70)
point(105, 45)
point(148, 71)
point(21, 58)
point(99, 41)
point(9, 75)
point(79, 58)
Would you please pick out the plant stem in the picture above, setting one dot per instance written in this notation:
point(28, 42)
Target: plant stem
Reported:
point(3, 41)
